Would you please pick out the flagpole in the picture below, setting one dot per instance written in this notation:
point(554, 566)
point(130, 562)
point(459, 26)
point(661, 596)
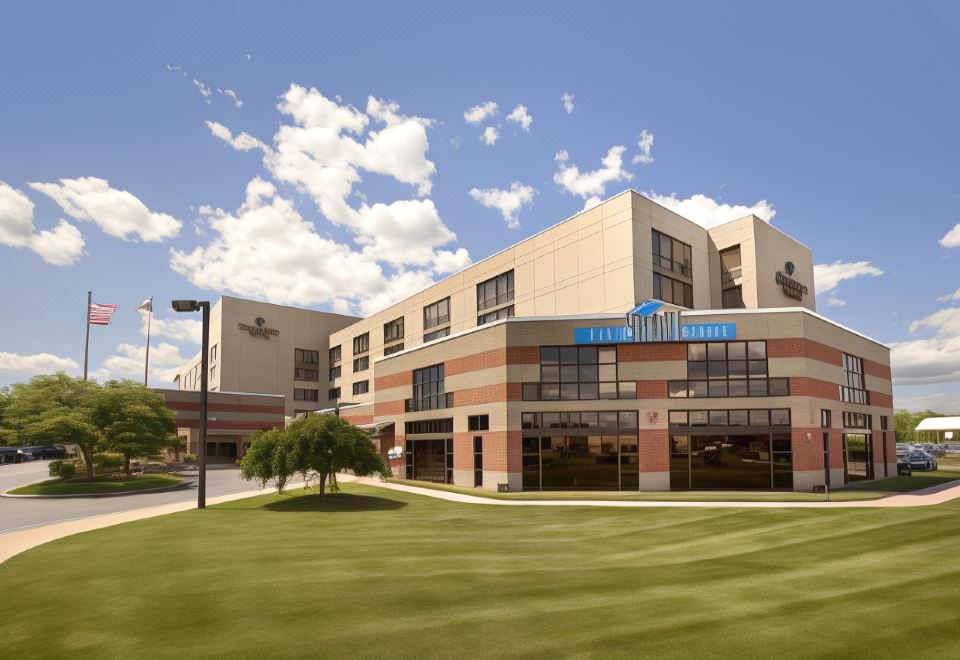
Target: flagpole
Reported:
point(86, 342)
point(146, 362)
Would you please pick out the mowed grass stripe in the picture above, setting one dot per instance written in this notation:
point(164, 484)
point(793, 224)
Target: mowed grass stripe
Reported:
point(383, 573)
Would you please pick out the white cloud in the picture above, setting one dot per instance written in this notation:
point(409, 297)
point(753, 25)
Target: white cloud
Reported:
point(32, 365)
point(950, 297)
point(828, 276)
point(833, 301)
point(479, 113)
point(508, 202)
point(591, 185)
point(944, 402)
point(128, 361)
point(268, 251)
point(60, 246)
point(205, 91)
point(182, 330)
point(567, 100)
point(935, 359)
point(708, 212)
point(116, 212)
point(232, 95)
point(519, 115)
point(490, 136)
point(646, 145)
point(241, 142)
point(952, 238)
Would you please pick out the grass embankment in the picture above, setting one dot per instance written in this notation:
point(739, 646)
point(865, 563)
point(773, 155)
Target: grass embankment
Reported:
point(108, 484)
point(374, 573)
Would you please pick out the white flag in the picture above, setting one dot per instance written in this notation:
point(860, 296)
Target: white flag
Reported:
point(147, 306)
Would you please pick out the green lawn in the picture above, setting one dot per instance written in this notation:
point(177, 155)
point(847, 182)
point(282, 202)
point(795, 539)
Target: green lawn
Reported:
point(98, 485)
point(375, 573)
point(916, 481)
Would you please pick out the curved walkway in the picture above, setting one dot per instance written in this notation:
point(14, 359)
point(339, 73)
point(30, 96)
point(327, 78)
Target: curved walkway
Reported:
point(13, 543)
point(925, 497)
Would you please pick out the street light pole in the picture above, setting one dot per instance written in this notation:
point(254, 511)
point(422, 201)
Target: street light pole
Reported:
point(204, 307)
point(204, 373)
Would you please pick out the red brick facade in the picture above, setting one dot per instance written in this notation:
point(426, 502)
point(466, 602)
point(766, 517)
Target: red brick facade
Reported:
point(651, 389)
point(393, 380)
point(808, 452)
point(813, 387)
point(654, 450)
point(802, 348)
point(657, 352)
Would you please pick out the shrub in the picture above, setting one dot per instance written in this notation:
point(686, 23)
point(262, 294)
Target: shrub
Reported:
point(108, 459)
point(189, 458)
point(54, 468)
point(68, 470)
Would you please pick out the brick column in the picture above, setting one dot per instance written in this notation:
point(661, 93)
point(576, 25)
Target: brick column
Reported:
point(654, 459)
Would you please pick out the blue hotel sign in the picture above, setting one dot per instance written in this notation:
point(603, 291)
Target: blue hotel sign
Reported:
point(708, 331)
point(647, 323)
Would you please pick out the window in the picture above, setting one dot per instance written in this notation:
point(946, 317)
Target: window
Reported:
point(730, 278)
point(361, 363)
point(477, 461)
point(361, 387)
point(361, 344)
point(390, 350)
point(306, 356)
point(213, 353)
point(826, 418)
point(853, 420)
point(755, 417)
point(428, 391)
point(853, 389)
point(306, 374)
point(429, 426)
point(672, 291)
point(733, 298)
point(495, 291)
point(578, 372)
point(436, 334)
point(305, 395)
point(478, 423)
point(335, 372)
point(213, 372)
point(495, 315)
point(393, 331)
point(728, 369)
point(334, 355)
point(671, 254)
point(436, 314)
point(333, 393)
point(883, 423)
point(608, 419)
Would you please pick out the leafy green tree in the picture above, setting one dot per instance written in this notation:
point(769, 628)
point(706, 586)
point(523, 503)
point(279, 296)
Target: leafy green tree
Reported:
point(257, 463)
point(53, 409)
point(133, 419)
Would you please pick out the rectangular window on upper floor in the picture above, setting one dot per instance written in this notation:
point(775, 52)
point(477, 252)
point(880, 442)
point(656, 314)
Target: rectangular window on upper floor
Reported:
point(495, 292)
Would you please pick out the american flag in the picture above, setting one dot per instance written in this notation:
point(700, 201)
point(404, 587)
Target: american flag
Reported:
point(100, 313)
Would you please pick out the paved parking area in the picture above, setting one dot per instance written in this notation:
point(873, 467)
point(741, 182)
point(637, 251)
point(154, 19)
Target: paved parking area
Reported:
point(16, 514)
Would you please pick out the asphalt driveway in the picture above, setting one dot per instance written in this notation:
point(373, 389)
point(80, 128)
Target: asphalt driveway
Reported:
point(18, 514)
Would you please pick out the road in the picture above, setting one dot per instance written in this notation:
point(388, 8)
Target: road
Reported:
point(18, 514)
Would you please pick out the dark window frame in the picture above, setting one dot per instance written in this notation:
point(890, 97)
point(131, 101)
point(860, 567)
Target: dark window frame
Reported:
point(503, 291)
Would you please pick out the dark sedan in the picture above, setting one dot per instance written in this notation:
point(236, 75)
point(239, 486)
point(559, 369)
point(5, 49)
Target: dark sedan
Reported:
point(921, 460)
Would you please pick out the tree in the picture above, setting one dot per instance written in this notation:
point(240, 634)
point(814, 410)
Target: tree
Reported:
point(134, 420)
point(323, 444)
point(53, 409)
point(257, 463)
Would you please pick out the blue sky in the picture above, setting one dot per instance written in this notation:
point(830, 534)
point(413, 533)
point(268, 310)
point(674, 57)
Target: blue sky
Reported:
point(841, 120)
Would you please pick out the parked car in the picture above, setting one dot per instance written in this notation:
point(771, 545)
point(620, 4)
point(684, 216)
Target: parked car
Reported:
point(952, 448)
point(921, 460)
point(904, 448)
point(903, 466)
point(934, 450)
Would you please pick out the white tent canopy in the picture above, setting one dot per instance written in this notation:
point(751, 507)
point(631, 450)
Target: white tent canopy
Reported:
point(939, 424)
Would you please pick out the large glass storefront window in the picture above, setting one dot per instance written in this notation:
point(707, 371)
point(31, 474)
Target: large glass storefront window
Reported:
point(581, 462)
point(724, 462)
point(430, 460)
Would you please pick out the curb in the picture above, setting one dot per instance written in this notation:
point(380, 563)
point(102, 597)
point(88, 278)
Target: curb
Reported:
point(162, 489)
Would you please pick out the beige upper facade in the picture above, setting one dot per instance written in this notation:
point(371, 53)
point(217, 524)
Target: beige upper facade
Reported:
point(258, 347)
point(603, 260)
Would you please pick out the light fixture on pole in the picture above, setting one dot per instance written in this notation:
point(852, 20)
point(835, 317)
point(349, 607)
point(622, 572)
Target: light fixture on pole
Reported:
point(197, 306)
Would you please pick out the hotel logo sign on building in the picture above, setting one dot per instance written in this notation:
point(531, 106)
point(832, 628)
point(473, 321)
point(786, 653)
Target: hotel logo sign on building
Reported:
point(649, 322)
point(259, 330)
point(791, 287)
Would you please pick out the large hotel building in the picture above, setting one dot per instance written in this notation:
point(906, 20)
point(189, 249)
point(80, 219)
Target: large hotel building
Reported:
point(626, 348)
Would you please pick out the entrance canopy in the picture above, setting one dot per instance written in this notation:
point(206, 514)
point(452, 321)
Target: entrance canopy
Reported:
point(939, 424)
point(376, 429)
